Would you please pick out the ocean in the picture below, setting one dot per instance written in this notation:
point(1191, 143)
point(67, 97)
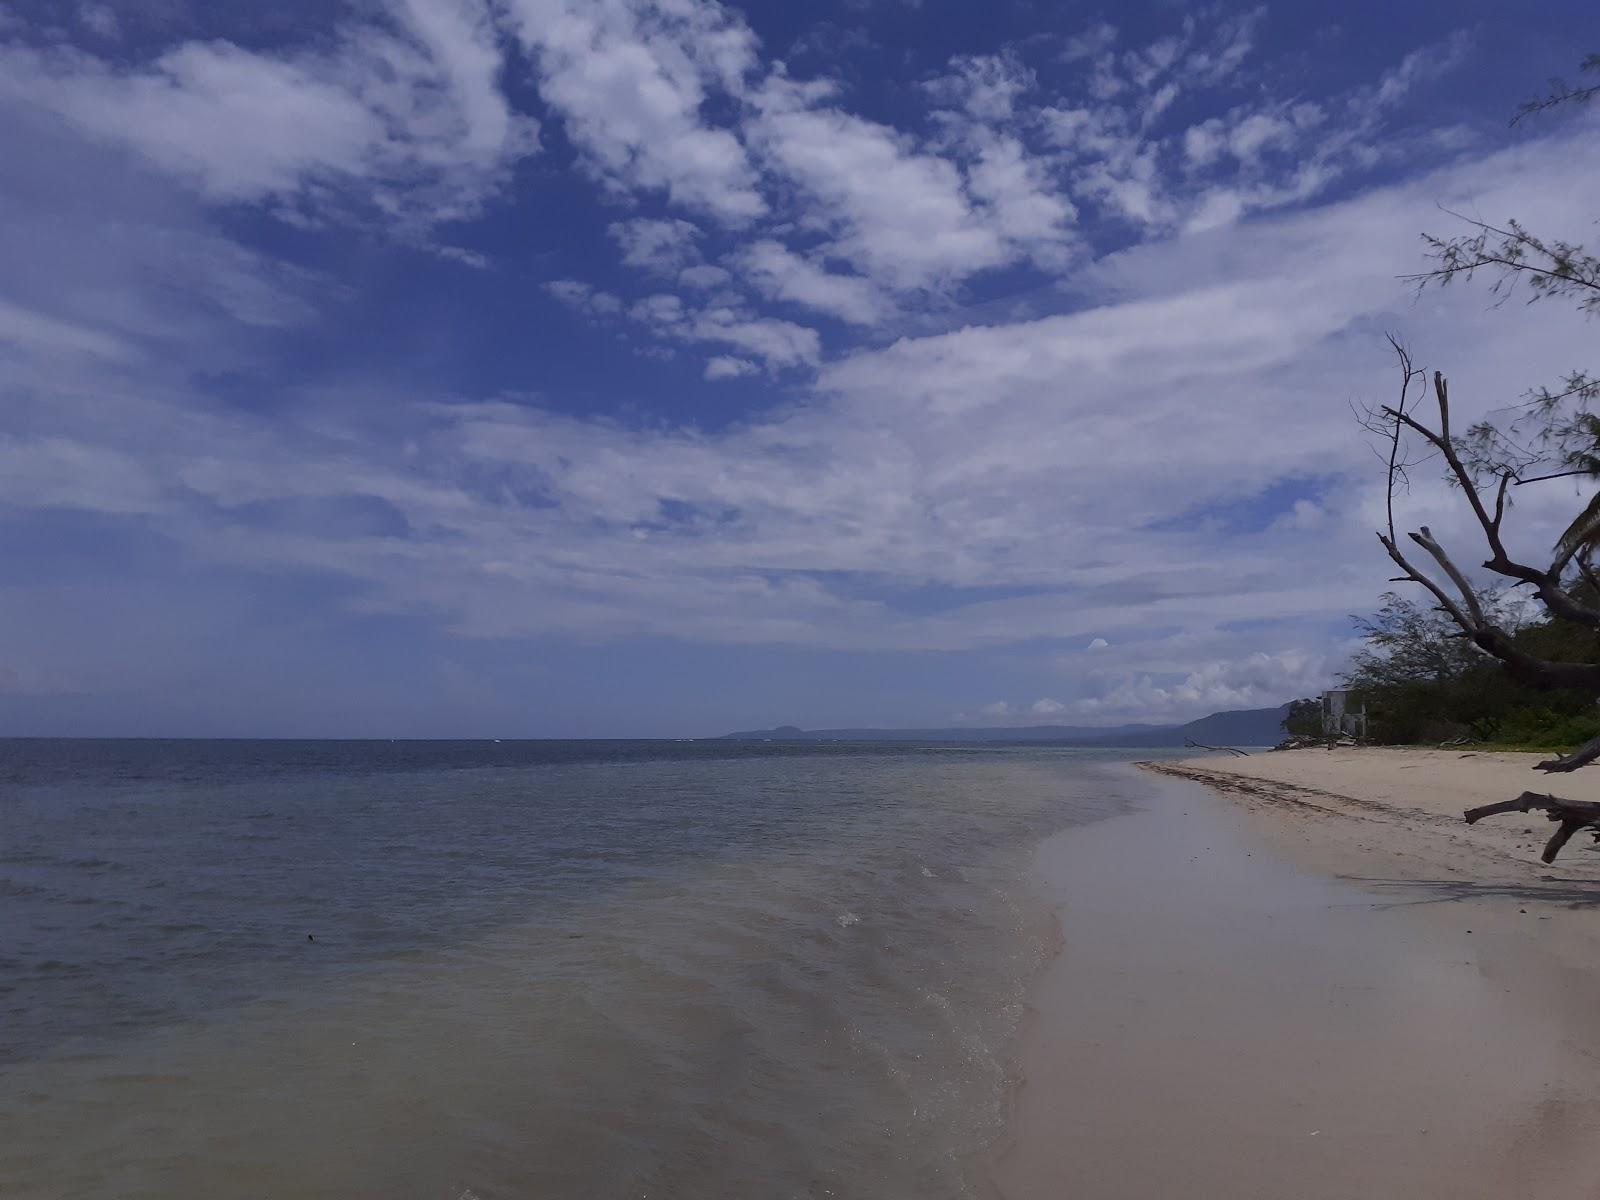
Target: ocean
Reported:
point(482, 970)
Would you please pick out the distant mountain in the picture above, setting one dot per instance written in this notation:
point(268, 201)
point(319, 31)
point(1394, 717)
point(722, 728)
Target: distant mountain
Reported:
point(1239, 727)
point(1019, 733)
point(1243, 727)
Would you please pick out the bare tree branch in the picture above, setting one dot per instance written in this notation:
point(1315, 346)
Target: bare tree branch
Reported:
point(1581, 757)
point(1560, 93)
point(1547, 583)
point(1551, 268)
point(1500, 500)
point(1424, 538)
point(1465, 607)
point(1555, 475)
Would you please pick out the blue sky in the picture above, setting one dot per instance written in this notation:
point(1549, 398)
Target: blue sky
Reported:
point(658, 367)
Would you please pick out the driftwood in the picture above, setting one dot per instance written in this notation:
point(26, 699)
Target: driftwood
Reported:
point(1573, 815)
point(1228, 749)
point(1303, 741)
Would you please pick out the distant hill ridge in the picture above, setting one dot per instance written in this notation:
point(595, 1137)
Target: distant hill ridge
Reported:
point(1240, 727)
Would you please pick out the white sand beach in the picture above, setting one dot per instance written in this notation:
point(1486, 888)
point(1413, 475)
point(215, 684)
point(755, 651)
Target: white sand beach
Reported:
point(1311, 979)
point(1369, 811)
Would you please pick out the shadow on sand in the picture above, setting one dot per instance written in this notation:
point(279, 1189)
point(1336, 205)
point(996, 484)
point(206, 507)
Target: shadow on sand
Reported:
point(1548, 889)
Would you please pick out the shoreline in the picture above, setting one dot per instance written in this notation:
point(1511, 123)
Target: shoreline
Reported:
point(1355, 812)
point(1270, 988)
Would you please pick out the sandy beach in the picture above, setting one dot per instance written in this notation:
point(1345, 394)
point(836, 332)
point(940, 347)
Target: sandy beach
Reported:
point(1300, 974)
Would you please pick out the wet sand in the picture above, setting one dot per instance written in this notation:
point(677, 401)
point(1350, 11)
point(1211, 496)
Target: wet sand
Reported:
point(1229, 1018)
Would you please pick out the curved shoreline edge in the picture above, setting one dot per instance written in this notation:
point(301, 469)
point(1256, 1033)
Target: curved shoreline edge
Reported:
point(1397, 813)
point(1306, 976)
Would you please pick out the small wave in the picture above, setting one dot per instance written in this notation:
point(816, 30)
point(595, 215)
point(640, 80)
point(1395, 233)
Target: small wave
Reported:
point(846, 919)
point(93, 864)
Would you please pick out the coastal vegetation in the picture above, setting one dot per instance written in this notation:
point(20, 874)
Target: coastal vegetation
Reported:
point(1422, 682)
point(1538, 621)
point(1511, 650)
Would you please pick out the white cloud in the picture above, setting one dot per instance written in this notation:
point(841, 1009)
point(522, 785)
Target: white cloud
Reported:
point(1269, 153)
point(100, 20)
point(1258, 132)
point(780, 274)
point(1218, 58)
point(1419, 67)
point(1204, 143)
point(897, 214)
point(967, 460)
point(56, 472)
point(986, 86)
point(111, 268)
point(30, 329)
point(660, 309)
point(276, 125)
point(703, 276)
point(467, 258)
point(1305, 514)
point(1091, 43)
point(631, 79)
point(578, 295)
point(872, 220)
point(1024, 205)
point(967, 466)
point(1258, 680)
point(663, 246)
point(1045, 707)
point(411, 113)
point(723, 366)
point(777, 343)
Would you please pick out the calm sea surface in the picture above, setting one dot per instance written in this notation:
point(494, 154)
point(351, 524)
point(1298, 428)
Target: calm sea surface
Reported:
point(525, 969)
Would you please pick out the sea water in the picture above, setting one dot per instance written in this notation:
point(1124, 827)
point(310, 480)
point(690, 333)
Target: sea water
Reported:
point(523, 969)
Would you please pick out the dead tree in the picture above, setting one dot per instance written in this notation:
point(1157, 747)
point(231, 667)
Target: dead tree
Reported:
point(1486, 488)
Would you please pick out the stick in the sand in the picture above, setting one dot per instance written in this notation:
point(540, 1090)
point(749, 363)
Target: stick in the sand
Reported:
point(1228, 749)
point(1573, 815)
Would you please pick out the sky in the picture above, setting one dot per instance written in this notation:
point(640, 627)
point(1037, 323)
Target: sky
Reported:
point(616, 368)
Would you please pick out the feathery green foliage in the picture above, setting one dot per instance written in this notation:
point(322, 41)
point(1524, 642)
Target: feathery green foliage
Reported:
point(1422, 682)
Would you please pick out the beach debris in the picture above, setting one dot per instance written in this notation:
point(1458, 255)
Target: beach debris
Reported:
point(1220, 749)
point(1572, 816)
point(1307, 742)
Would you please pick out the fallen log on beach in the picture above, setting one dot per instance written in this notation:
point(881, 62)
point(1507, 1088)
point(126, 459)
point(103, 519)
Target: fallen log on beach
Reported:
point(1573, 815)
point(1228, 749)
